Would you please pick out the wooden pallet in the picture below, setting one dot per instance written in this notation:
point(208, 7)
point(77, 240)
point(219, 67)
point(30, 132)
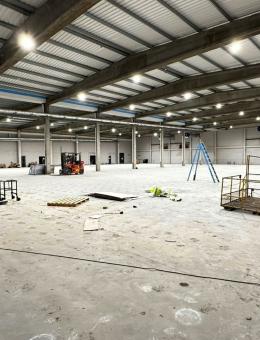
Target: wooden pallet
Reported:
point(68, 201)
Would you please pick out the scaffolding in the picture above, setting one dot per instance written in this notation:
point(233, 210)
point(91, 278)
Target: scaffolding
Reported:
point(242, 193)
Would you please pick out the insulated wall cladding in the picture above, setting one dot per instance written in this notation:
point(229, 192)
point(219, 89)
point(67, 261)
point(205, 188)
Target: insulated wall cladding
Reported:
point(148, 148)
point(32, 150)
point(61, 146)
point(8, 152)
point(230, 146)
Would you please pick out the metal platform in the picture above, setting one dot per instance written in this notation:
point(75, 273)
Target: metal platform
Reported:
point(251, 204)
point(242, 193)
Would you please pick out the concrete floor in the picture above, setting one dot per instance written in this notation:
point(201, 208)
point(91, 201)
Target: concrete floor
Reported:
point(56, 298)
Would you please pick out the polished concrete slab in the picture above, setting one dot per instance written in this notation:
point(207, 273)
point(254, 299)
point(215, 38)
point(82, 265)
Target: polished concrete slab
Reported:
point(50, 292)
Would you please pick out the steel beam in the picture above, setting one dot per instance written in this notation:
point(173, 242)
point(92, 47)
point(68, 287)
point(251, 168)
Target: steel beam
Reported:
point(167, 53)
point(194, 83)
point(246, 106)
point(211, 99)
point(47, 20)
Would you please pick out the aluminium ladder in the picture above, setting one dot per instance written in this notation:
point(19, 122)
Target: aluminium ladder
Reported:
point(201, 149)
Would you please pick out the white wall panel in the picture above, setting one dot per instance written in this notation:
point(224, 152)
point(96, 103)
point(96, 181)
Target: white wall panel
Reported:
point(8, 152)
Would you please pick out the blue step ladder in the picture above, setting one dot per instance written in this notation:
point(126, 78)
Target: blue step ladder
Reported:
point(201, 150)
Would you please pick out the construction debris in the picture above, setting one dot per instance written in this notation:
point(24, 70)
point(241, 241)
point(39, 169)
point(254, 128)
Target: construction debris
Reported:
point(159, 192)
point(68, 202)
point(112, 196)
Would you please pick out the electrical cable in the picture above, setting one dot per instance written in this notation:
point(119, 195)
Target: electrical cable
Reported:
point(215, 278)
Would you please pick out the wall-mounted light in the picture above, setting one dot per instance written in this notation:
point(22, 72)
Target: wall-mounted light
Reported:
point(155, 134)
point(85, 127)
point(37, 127)
point(168, 114)
point(131, 106)
point(241, 113)
point(113, 130)
point(69, 130)
point(219, 106)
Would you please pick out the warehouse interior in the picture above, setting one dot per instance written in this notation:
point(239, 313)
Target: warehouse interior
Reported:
point(129, 169)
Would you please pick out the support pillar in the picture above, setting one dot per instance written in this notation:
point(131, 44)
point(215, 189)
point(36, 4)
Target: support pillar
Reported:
point(51, 143)
point(162, 148)
point(190, 148)
point(117, 152)
point(77, 144)
point(97, 146)
point(47, 141)
point(244, 147)
point(183, 150)
point(19, 148)
point(215, 146)
point(133, 147)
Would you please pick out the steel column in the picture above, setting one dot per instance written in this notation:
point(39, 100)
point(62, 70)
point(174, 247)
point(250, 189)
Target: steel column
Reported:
point(97, 146)
point(162, 148)
point(183, 150)
point(19, 148)
point(47, 141)
point(134, 147)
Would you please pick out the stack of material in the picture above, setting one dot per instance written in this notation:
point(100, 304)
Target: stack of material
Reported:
point(37, 169)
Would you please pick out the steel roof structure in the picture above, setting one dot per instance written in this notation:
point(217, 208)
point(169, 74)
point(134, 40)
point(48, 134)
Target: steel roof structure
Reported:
point(134, 60)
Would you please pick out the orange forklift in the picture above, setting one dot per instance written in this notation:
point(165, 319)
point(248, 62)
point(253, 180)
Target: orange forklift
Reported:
point(71, 164)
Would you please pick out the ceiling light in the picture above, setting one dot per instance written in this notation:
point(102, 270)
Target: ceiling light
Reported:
point(231, 127)
point(235, 47)
point(194, 119)
point(131, 106)
point(215, 123)
point(187, 95)
point(241, 113)
point(139, 135)
point(257, 118)
point(82, 96)
point(69, 130)
point(219, 106)
point(113, 130)
point(37, 127)
point(120, 134)
point(178, 131)
point(8, 120)
point(155, 134)
point(136, 78)
point(85, 127)
point(26, 41)
point(168, 114)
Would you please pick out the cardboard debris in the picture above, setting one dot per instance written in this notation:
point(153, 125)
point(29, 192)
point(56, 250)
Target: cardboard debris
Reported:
point(112, 196)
